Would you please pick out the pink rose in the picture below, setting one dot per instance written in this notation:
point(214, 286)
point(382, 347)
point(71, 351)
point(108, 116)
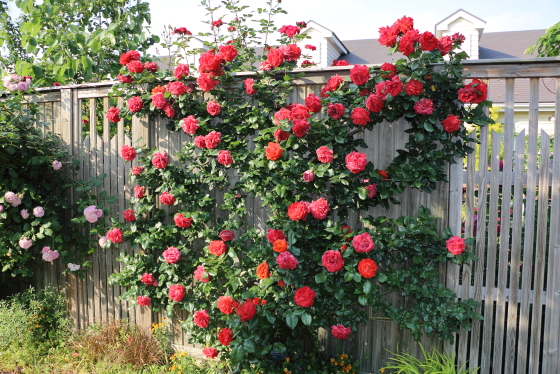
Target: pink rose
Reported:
point(181, 70)
point(151, 66)
point(455, 245)
point(159, 101)
point(148, 279)
point(200, 142)
point(374, 103)
point(206, 82)
point(160, 160)
point(210, 352)
point(113, 114)
point(332, 261)
point(319, 208)
point(137, 170)
point(201, 275)
point(309, 176)
point(128, 153)
point(359, 74)
point(324, 154)
point(363, 242)
point(115, 235)
point(340, 332)
point(143, 300)
point(102, 241)
point(25, 243)
point(372, 190)
point(92, 214)
point(356, 162)
point(424, 106)
point(451, 123)
point(48, 254)
point(201, 318)
point(248, 83)
point(212, 139)
point(176, 292)
point(56, 165)
point(335, 110)
point(24, 214)
point(135, 104)
point(286, 260)
point(226, 235)
point(300, 128)
point(129, 215)
point(224, 158)
point(213, 108)
point(176, 88)
point(167, 199)
point(190, 125)
point(139, 191)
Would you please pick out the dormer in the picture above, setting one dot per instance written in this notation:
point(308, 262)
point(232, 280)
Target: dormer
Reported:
point(467, 24)
point(329, 47)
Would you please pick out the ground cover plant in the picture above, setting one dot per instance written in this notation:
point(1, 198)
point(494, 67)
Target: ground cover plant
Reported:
point(254, 295)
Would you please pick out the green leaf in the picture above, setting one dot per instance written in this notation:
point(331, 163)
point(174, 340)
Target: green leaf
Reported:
point(306, 319)
point(249, 346)
point(367, 287)
point(291, 320)
point(320, 278)
point(362, 300)
point(381, 277)
point(362, 193)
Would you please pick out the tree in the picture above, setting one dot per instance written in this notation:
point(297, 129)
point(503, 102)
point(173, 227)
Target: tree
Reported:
point(79, 41)
point(11, 50)
point(547, 45)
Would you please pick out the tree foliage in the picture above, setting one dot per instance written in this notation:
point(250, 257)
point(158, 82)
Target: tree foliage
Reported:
point(75, 42)
point(547, 45)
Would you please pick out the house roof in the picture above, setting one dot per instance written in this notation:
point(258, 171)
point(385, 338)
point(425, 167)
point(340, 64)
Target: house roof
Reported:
point(458, 11)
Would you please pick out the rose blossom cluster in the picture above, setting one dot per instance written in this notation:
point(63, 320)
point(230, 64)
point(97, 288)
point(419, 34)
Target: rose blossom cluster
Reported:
point(277, 56)
point(300, 209)
point(14, 82)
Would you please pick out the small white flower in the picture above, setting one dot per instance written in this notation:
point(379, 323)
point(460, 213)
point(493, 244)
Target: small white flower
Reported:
point(73, 267)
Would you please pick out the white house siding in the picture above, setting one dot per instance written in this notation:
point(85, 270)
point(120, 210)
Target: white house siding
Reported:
point(465, 27)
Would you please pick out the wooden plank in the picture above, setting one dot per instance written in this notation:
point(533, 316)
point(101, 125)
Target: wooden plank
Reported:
point(91, 93)
point(488, 324)
point(118, 306)
point(505, 221)
point(524, 318)
point(551, 356)
point(540, 253)
point(109, 310)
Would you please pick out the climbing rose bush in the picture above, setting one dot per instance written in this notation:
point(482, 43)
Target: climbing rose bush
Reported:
point(271, 286)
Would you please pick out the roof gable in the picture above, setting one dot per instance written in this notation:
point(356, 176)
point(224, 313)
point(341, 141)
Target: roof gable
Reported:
point(460, 18)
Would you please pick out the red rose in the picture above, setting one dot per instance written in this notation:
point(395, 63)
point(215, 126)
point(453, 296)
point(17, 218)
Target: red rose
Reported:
point(424, 106)
point(281, 283)
point(407, 42)
point(299, 112)
point(365, 92)
point(474, 92)
point(286, 260)
point(340, 332)
point(113, 114)
point(403, 25)
point(201, 275)
point(281, 135)
point(275, 57)
point(374, 103)
point(340, 63)
point(227, 52)
point(363, 242)
point(360, 116)
point(115, 235)
point(124, 78)
point(324, 154)
point(455, 245)
point(391, 87)
point(273, 235)
point(137, 170)
point(387, 67)
point(139, 191)
point(217, 247)
point(201, 318)
point(332, 261)
point(445, 44)
point(383, 174)
point(176, 88)
point(210, 352)
point(333, 83)
point(206, 82)
point(413, 87)
point(300, 128)
point(428, 42)
point(213, 139)
point(181, 70)
point(135, 66)
point(388, 36)
point(297, 211)
point(217, 23)
point(176, 292)
point(167, 199)
point(128, 153)
point(148, 279)
point(226, 304)
point(335, 110)
point(372, 190)
point(282, 115)
point(210, 63)
point(181, 221)
point(129, 215)
point(151, 66)
point(213, 107)
point(160, 160)
point(226, 235)
point(134, 104)
point(359, 74)
point(172, 255)
point(319, 208)
point(159, 101)
point(129, 56)
point(262, 271)
point(451, 123)
point(313, 103)
point(458, 38)
point(291, 52)
point(367, 268)
point(290, 31)
point(248, 83)
point(190, 125)
point(143, 300)
point(224, 158)
point(304, 296)
point(280, 245)
point(246, 311)
point(356, 162)
point(225, 336)
point(200, 142)
point(273, 151)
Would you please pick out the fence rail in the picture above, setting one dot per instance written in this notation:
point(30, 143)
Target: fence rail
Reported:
point(517, 277)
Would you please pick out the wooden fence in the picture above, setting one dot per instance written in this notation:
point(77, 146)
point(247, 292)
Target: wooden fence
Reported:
point(517, 210)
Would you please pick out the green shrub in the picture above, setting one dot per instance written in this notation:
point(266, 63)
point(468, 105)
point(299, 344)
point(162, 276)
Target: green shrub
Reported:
point(433, 362)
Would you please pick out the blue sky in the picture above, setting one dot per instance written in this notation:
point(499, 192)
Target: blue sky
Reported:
point(361, 19)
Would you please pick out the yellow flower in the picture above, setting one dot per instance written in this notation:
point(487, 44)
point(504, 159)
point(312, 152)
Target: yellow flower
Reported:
point(287, 359)
point(382, 370)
